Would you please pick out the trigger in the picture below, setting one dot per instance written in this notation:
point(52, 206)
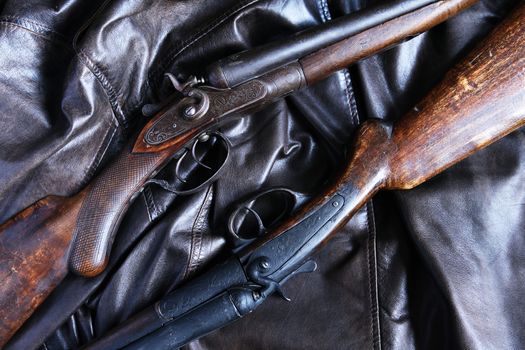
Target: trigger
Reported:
point(280, 292)
point(307, 267)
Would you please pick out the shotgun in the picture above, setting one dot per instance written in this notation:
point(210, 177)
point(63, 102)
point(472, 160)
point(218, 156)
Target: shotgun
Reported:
point(57, 235)
point(479, 101)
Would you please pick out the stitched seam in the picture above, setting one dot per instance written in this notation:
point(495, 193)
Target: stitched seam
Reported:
point(351, 97)
point(322, 5)
point(151, 206)
point(104, 81)
point(110, 91)
point(33, 26)
point(345, 73)
point(197, 232)
point(46, 36)
point(372, 275)
point(54, 36)
point(102, 150)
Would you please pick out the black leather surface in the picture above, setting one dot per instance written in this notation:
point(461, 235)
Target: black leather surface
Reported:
point(438, 267)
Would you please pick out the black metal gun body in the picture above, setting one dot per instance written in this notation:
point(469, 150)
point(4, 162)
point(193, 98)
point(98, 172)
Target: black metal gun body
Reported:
point(238, 68)
point(231, 290)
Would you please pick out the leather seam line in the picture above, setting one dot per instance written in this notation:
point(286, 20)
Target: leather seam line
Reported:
point(99, 155)
point(351, 97)
point(57, 38)
point(32, 25)
point(108, 88)
point(36, 29)
point(151, 207)
point(106, 84)
point(325, 12)
point(197, 235)
point(372, 275)
point(345, 73)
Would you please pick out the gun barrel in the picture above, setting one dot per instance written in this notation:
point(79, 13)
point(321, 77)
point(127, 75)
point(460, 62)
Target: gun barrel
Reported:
point(236, 69)
point(181, 305)
point(216, 313)
point(323, 62)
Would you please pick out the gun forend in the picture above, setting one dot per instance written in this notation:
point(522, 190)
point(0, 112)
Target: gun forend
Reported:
point(240, 67)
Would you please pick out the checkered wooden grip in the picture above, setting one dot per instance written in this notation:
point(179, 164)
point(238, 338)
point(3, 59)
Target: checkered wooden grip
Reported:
point(107, 200)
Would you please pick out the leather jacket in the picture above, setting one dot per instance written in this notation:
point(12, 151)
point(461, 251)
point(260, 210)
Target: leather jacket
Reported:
point(439, 266)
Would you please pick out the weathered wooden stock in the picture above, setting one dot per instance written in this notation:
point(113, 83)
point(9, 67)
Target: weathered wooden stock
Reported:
point(35, 244)
point(478, 102)
point(335, 57)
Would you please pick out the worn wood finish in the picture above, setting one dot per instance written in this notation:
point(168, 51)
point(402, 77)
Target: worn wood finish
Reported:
point(40, 245)
point(57, 234)
point(481, 100)
point(33, 259)
point(335, 57)
point(35, 245)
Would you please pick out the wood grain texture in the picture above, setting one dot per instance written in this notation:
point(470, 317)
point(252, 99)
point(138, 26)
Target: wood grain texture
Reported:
point(36, 245)
point(56, 235)
point(335, 57)
point(33, 258)
point(479, 101)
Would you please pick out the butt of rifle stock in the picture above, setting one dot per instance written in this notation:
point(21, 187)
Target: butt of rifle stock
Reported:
point(56, 235)
point(34, 248)
point(479, 101)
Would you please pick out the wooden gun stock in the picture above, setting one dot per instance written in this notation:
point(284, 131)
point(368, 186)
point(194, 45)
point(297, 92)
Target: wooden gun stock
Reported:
point(35, 245)
point(478, 102)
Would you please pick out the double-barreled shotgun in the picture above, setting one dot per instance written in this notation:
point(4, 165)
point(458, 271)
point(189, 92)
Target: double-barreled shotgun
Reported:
point(56, 235)
point(481, 100)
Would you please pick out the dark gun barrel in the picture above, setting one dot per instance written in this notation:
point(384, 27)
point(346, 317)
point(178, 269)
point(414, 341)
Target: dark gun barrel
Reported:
point(222, 310)
point(238, 68)
point(179, 308)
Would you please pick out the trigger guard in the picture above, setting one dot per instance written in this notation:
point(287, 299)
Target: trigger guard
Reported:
point(245, 206)
point(172, 188)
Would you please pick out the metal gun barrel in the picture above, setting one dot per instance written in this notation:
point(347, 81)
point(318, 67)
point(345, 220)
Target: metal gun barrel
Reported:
point(238, 68)
point(175, 305)
point(216, 313)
